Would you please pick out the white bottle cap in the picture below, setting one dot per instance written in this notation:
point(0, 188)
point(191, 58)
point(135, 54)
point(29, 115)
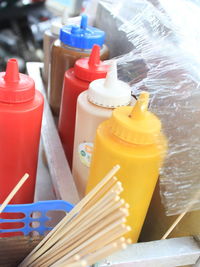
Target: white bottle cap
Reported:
point(65, 16)
point(56, 25)
point(109, 92)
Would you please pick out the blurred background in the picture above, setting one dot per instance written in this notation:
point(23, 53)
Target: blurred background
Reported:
point(23, 23)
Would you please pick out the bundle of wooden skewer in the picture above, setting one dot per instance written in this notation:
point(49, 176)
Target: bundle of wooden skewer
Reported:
point(93, 229)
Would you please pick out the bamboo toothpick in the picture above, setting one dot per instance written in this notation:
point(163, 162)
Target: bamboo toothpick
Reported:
point(101, 192)
point(82, 236)
point(14, 191)
point(90, 240)
point(90, 221)
point(42, 247)
point(68, 234)
point(180, 217)
point(90, 259)
point(105, 252)
point(67, 247)
point(81, 263)
point(90, 213)
point(73, 260)
point(106, 239)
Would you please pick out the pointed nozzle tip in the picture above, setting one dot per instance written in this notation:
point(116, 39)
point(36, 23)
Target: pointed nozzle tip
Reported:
point(84, 20)
point(141, 106)
point(94, 58)
point(12, 71)
point(111, 77)
point(144, 98)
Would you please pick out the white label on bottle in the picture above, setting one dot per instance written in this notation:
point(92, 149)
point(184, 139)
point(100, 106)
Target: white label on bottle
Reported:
point(85, 153)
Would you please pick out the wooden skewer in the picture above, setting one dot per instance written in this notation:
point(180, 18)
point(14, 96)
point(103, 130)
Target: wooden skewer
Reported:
point(105, 252)
point(81, 263)
point(73, 259)
point(106, 239)
point(90, 223)
point(75, 243)
point(89, 241)
point(128, 241)
point(93, 219)
point(70, 228)
point(175, 223)
point(13, 192)
point(91, 248)
point(180, 217)
point(98, 255)
point(75, 233)
point(118, 241)
point(76, 258)
point(65, 242)
point(71, 214)
point(64, 245)
point(95, 224)
point(101, 193)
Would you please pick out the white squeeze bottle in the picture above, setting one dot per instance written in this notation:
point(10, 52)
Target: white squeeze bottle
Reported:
point(93, 107)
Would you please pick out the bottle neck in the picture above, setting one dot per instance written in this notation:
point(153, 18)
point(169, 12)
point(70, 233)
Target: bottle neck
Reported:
point(87, 51)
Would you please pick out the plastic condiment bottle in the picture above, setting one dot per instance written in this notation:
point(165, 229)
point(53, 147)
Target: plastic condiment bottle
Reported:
point(132, 138)
point(94, 106)
point(75, 42)
point(77, 80)
point(21, 108)
point(50, 36)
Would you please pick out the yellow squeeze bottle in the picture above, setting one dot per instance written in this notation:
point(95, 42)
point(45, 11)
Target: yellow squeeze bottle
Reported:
point(133, 139)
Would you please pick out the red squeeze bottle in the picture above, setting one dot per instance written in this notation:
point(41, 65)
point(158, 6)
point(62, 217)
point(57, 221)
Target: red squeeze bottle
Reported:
point(21, 108)
point(77, 80)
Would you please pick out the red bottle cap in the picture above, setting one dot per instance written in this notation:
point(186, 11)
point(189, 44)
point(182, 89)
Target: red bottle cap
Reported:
point(15, 87)
point(91, 68)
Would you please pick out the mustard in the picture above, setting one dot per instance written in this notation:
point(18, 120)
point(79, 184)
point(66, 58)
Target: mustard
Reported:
point(132, 138)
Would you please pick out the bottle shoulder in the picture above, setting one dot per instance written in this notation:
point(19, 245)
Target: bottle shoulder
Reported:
point(37, 102)
point(71, 77)
point(72, 51)
point(86, 105)
point(110, 141)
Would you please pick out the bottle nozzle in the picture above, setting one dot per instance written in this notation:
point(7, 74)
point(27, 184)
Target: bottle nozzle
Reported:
point(12, 71)
point(94, 58)
point(140, 107)
point(111, 77)
point(74, 29)
point(84, 20)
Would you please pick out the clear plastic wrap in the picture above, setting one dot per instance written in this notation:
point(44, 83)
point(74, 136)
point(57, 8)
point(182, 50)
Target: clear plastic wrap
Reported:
point(165, 60)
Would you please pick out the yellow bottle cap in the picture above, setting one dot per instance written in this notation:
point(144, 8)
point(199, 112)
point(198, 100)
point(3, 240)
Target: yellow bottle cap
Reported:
point(136, 124)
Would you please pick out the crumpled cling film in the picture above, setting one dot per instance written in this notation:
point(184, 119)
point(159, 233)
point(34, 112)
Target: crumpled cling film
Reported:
point(166, 62)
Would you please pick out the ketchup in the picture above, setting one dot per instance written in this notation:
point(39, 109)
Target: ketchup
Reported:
point(21, 108)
